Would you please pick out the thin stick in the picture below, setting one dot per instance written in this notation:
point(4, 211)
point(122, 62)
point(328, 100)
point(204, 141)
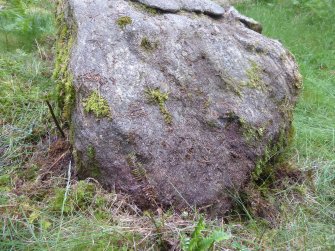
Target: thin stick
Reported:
point(181, 196)
point(55, 119)
point(68, 186)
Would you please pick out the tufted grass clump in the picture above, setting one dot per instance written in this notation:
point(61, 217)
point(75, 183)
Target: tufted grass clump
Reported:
point(23, 24)
point(80, 197)
point(123, 21)
point(306, 224)
point(159, 98)
point(97, 105)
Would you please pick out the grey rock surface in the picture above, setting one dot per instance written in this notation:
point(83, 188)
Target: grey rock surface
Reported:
point(202, 6)
point(226, 3)
point(196, 101)
point(247, 21)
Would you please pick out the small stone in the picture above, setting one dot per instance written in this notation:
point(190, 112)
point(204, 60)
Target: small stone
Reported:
point(184, 215)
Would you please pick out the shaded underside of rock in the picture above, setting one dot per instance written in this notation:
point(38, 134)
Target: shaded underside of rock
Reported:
point(195, 102)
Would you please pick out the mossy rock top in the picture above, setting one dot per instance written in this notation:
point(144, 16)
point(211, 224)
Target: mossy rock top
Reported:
point(197, 100)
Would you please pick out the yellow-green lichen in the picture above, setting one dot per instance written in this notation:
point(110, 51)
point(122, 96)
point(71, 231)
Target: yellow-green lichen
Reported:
point(123, 21)
point(148, 45)
point(97, 105)
point(254, 77)
point(159, 98)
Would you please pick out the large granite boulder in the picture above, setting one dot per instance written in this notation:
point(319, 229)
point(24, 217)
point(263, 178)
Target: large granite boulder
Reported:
point(172, 102)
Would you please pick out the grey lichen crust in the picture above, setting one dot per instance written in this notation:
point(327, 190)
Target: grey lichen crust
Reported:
point(194, 104)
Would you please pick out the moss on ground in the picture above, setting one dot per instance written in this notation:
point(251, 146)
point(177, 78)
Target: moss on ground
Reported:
point(80, 197)
point(5, 183)
point(97, 105)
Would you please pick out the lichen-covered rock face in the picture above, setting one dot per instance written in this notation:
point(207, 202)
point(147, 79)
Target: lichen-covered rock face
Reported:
point(195, 102)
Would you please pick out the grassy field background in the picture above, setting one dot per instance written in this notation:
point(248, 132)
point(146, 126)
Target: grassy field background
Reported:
point(43, 207)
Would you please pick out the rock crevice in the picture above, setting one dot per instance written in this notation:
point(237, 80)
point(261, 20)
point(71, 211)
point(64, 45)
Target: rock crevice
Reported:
point(173, 6)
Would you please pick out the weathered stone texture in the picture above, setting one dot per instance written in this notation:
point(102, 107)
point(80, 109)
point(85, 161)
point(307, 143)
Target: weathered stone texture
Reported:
point(196, 100)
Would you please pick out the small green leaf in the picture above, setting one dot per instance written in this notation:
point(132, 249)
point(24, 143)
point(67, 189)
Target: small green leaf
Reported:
point(45, 224)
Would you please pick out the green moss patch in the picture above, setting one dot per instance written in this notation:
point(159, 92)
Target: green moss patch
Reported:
point(251, 133)
point(97, 105)
point(148, 45)
point(62, 75)
point(79, 198)
point(5, 182)
point(273, 154)
point(156, 96)
point(123, 21)
point(146, 9)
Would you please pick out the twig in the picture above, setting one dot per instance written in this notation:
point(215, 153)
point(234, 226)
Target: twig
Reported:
point(60, 158)
point(55, 119)
point(181, 196)
point(4, 206)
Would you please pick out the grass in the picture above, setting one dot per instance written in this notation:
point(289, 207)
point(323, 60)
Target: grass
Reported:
point(310, 37)
point(42, 209)
point(25, 79)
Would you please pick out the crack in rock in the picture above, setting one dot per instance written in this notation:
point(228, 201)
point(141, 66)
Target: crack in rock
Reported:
point(199, 6)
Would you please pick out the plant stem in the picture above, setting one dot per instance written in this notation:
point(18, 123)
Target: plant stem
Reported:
point(55, 119)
